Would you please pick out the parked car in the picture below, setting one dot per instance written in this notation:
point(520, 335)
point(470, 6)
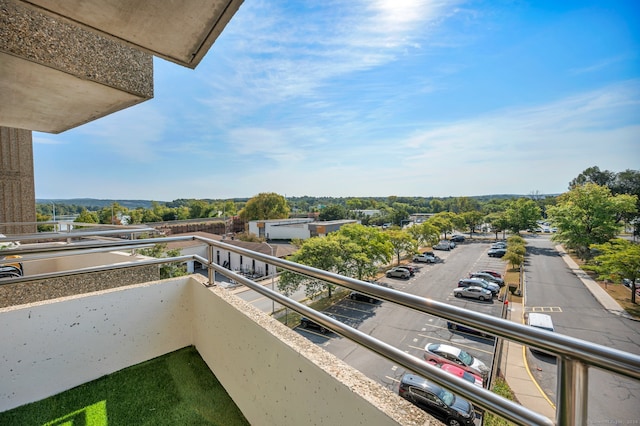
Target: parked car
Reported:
point(499, 244)
point(411, 269)
point(354, 295)
point(441, 353)
point(437, 401)
point(473, 292)
point(307, 323)
point(463, 328)
point(494, 273)
point(9, 272)
point(497, 252)
point(542, 321)
point(487, 277)
point(398, 272)
point(460, 372)
point(479, 282)
point(443, 245)
point(457, 238)
point(15, 264)
point(425, 257)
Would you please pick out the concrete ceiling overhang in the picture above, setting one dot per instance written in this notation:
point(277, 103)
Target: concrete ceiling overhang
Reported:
point(55, 75)
point(181, 31)
point(66, 63)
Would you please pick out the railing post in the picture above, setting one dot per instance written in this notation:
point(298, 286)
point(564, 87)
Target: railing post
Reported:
point(573, 392)
point(211, 271)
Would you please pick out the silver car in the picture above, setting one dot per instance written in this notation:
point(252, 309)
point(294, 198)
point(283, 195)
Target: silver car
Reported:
point(440, 353)
point(487, 277)
point(398, 273)
point(473, 292)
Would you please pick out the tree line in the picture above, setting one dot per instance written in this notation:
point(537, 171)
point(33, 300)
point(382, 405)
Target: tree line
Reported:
point(588, 217)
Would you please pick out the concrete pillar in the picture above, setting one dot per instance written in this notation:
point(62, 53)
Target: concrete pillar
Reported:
point(17, 189)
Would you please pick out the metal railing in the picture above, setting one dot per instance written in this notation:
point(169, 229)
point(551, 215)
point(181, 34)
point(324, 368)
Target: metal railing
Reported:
point(574, 356)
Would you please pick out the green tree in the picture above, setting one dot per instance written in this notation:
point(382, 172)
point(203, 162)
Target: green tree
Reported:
point(628, 182)
point(318, 252)
point(615, 260)
point(399, 214)
point(198, 209)
point(446, 222)
point(473, 219)
point(40, 217)
point(593, 175)
point(426, 234)
point(112, 214)
point(167, 270)
point(161, 211)
point(498, 221)
point(402, 243)
point(368, 248)
point(462, 204)
point(437, 206)
point(265, 206)
point(589, 214)
point(522, 214)
point(137, 215)
point(149, 215)
point(516, 251)
point(86, 216)
point(333, 212)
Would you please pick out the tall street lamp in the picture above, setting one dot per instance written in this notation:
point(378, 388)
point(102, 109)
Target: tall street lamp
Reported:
point(54, 216)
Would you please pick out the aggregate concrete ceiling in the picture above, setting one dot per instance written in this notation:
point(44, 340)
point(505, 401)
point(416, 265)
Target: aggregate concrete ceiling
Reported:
point(66, 63)
point(181, 31)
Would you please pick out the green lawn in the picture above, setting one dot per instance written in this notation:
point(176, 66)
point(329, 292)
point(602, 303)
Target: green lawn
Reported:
point(174, 389)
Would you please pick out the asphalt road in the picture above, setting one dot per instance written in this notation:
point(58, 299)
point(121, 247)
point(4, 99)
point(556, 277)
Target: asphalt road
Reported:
point(551, 288)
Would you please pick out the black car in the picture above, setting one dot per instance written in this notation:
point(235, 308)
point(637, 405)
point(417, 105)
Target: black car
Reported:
point(497, 252)
point(437, 401)
point(464, 329)
point(362, 297)
point(457, 238)
point(307, 323)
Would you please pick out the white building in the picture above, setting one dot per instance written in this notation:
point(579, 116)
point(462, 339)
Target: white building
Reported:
point(289, 229)
point(229, 260)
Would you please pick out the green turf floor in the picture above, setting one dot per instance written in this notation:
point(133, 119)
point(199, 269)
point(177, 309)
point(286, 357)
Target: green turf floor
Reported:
point(174, 389)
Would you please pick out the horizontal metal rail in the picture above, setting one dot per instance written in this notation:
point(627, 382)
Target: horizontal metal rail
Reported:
point(575, 356)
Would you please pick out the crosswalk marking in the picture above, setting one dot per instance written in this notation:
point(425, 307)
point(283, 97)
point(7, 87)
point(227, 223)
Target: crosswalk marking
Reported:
point(543, 309)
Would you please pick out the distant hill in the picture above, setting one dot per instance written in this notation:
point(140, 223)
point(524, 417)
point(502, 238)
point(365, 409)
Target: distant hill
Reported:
point(98, 203)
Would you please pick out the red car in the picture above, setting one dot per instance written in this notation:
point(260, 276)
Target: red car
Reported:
point(494, 273)
point(457, 371)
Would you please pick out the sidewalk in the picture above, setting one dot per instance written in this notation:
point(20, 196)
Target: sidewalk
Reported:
point(518, 376)
point(517, 373)
point(607, 302)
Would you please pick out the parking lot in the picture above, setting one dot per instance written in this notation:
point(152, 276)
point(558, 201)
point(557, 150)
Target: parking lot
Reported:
point(409, 330)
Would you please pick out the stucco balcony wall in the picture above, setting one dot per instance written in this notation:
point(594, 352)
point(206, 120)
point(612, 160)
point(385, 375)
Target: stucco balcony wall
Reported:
point(274, 375)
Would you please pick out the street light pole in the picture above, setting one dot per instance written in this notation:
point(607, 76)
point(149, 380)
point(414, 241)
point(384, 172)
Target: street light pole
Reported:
point(54, 216)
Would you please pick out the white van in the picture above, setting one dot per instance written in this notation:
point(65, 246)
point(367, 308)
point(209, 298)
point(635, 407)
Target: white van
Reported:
point(543, 321)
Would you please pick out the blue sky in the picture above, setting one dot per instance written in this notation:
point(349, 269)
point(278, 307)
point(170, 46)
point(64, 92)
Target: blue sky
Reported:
point(373, 98)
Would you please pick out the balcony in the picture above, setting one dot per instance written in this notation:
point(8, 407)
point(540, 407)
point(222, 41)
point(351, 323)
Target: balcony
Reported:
point(274, 375)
